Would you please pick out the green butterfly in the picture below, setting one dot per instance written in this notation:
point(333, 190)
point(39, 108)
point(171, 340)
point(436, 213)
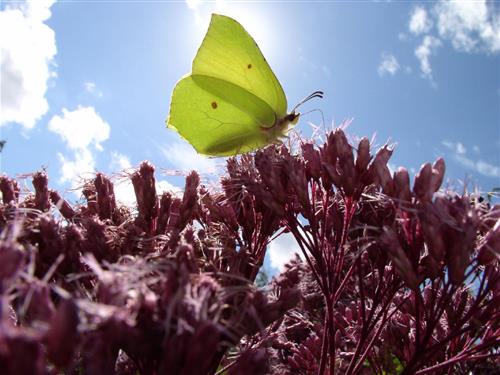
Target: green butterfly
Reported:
point(232, 102)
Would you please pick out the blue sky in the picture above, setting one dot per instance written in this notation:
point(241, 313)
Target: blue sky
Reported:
point(86, 85)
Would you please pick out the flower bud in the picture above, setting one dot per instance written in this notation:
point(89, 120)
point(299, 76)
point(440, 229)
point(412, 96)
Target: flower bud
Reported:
point(438, 170)
point(433, 234)
point(363, 158)
point(297, 180)
point(489, 248)
point(338, 338)
point(9, 189)
point(189, 205)
point(99, 241)
point(251, 362)
point(62, 334)
point(429, 180)
point(246, 218)
point(164, 213)
point(40, 182)
point(62, 205)
point(380, 172)
point(21, 353)
point(105, 196)
point(328, 152)
point(202, 349)
point(404, 268)
point(312, 161)
point(422, 186)
point(143, 181)
point(402, 185)
point(11, 258)
point(431, 267)
point(457, 258)
point(333, 174)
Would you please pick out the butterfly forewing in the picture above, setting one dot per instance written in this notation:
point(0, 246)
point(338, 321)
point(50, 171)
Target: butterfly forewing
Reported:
point(229, 53)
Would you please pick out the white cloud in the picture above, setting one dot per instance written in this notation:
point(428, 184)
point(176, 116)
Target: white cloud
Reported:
point(123, 188)
point(74, 170)
point(424, 51)
point(282, 250)
point(457, 147)
point(487, 169)
point(388, 65)
point(193, 4)
point(461, 150)
point(165, 186)
point(38, 10)
point(91, 88)
point(80, 128)
point(471, 26)
point(419, 21)
point(258, 24)
point(459, 153)
point(124, 192)
point(184, 157)
point(26, 61)
point(119, 162)
point(480, 166)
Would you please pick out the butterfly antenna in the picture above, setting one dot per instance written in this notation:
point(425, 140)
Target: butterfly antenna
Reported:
point(315, 94)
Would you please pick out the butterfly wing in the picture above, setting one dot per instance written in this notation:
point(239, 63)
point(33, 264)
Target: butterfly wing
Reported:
point(217, 117)
point(229, 53)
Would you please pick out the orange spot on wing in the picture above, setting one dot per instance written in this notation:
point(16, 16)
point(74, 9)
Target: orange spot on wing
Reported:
point(214, 105)
point(249, 66)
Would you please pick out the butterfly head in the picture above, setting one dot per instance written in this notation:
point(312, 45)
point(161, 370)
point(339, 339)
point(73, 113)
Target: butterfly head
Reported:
point(283, 125)
point(292, 118)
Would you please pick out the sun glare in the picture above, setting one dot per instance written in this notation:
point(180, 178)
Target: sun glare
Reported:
point(257, 22)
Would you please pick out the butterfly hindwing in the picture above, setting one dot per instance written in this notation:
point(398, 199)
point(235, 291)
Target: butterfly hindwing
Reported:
point(208, 113)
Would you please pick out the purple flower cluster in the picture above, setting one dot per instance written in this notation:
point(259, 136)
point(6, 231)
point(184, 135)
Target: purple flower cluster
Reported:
point(396, 279)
